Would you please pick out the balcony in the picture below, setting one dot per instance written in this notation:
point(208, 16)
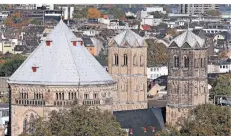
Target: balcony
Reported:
point(63, 102)
point(30, 102)
point(91, 102)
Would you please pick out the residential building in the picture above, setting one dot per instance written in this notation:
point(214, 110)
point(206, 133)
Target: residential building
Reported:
point(3, 86)
point(225, 66)
point(58, 72)
point(4, 118)
point(155, 72)
point(195, 9)
point(154, 9)
point(187, 75)
point(127, 64)
point(150, 20)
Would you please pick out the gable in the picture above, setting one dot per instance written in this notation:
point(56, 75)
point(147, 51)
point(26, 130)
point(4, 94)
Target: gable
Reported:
point(186, 45)
point(173, 45)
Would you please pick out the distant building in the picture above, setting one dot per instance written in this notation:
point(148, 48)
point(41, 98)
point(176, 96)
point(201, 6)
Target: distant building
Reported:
point(155, 72)
point(195, 9)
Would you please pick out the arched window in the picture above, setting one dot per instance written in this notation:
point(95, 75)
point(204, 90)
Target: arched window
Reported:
point(75, 95)
point(69, 96)
point(57, 96)
point(62, 96)
point(176, 61)
point(186, 61)
point(32, 119)
point(202, 63)
point(116, 59)
point(135, 60)
point(141, 60)
point(125, 60)
point(195, 63)
point(25, 125)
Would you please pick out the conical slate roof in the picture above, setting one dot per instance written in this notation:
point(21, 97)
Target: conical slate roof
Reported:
point(61, 63)
point(129, 38)
point(190, 38)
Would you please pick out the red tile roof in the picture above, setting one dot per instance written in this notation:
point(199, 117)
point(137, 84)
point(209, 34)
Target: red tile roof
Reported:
point(146, 27)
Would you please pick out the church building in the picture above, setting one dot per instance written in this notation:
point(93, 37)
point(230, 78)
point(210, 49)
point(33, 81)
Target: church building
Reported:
point(59, 71)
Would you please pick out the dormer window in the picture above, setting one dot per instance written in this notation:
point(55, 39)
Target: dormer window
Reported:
point(48, 42)
point(74, 43)
point(81, 42)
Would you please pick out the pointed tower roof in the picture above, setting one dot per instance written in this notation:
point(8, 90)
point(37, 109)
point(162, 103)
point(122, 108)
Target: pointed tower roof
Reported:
point(128, 38)
point(189, 38)
point(61, 63)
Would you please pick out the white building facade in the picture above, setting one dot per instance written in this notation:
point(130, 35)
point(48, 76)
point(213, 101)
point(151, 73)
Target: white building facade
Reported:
point(155, 72)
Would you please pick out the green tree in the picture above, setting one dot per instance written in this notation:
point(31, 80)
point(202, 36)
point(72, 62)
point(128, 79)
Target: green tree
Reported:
point(203, 120)
point(36, 22)
point(222, 85)
point(116, 12)
point(4, 7)
point(11, 65)
point(213, 13)
point(157, 53)
point(80, 13)
point(78, 121)
point(158, 14)
point(102, 58)
point(208, 120)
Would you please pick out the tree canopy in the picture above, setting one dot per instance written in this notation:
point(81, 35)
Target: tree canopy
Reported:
point(157, 53)
point(93, 13)
point(80, 13)
point(102, 58)
point(78, 121)
point(213, 13)
point(204, 120)
point(11, 65)
point(222, 85)
point(158, 14)
point(116, 12)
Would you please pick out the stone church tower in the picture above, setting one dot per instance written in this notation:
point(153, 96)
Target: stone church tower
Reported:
point(127, 63)
point(187, 75)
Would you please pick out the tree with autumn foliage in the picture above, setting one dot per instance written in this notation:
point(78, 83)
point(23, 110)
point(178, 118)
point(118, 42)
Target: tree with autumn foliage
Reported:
point(78, 121)
point(157, 53)
point(16, 20)
point(203, 120)
point(93, 13)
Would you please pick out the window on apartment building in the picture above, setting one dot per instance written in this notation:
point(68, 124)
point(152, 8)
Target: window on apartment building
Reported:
point(176, 61)
point(223, 66)
point(125, 60)
point(116, 59)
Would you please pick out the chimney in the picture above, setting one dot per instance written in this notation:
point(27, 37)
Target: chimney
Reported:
point(34, 69)
point(48, 42)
